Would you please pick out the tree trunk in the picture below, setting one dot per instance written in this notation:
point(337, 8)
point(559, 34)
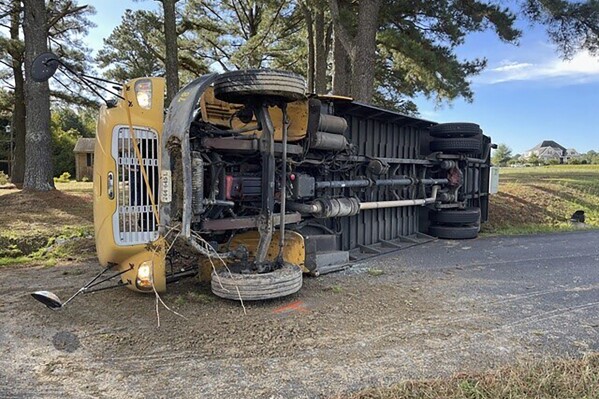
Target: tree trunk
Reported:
point(172, 58)
point(361, 48)
point(310, 29)
point(341, 69)
point(364, 54)
point(320, 66)
point(18, 126)
point(17, 169)
point(38, 140)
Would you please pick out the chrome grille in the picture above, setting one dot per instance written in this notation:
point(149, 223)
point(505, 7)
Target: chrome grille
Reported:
point(134, 221)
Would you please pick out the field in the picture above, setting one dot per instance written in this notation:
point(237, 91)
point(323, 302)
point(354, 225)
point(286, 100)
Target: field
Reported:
point(542, 199)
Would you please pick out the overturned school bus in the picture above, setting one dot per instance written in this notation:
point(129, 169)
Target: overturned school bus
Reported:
point(249, 172)
point(251, 183)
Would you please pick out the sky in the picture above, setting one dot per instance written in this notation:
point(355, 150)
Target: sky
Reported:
point(526, 95)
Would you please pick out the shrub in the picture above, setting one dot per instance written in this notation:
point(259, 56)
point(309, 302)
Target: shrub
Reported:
point(62, 151)
point(3, 178)
point(64, 178)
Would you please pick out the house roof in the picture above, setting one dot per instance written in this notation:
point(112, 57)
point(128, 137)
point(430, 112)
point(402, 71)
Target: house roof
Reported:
point(548, 143)
point(85, 145)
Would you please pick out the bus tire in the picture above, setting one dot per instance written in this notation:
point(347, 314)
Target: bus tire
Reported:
point(462, 145)
point(456, 216)
point(239, 87)
point(456, 129)
point(454, 232)
point(284, 281)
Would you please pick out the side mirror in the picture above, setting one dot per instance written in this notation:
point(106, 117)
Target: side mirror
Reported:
point(47, 298)
point(44, 67)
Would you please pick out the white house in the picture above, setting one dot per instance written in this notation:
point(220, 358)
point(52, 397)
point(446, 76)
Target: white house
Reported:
point(550, 150)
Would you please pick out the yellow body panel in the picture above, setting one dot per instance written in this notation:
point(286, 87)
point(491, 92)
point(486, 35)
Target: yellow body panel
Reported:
point(104, 163)
point(222, 113)
point(294, 251)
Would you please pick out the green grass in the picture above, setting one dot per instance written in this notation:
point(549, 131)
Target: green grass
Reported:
point(375, 272)
point(548, 379)
point(542, 199)
point(336, 289)
point(10, 261)
point(194, 297)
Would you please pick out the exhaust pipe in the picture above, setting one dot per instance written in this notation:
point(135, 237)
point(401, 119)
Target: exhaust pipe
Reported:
point(338, 207)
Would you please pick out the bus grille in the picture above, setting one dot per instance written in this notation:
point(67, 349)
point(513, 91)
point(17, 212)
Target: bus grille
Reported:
point(134, 221)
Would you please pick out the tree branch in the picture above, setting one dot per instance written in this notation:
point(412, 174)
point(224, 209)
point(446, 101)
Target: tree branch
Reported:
point(245, 34)
point(272, 22)
point(63, 14)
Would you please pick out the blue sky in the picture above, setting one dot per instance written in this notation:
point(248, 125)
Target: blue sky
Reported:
point(526, 94)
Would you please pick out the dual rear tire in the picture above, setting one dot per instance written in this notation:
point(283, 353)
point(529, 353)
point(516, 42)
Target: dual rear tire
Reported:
point(457, 138)
point(460, 139)
point(456, 129)
point(455, 224)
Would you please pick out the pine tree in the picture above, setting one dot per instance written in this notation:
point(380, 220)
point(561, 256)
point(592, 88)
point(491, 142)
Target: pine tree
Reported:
point(501, 155)
point(66, 23)
point(136, 48)
point(239, 34)
point(38, 147)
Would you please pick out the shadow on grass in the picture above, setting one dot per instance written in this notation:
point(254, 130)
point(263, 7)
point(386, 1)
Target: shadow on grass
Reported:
point(535, 211)
point(39, 206)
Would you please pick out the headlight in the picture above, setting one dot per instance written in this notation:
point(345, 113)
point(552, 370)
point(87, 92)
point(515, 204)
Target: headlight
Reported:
point(143, 92)
point(144, 276)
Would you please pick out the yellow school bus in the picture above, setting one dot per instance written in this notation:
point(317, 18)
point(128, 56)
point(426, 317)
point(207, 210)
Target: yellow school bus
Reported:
point(247, 181)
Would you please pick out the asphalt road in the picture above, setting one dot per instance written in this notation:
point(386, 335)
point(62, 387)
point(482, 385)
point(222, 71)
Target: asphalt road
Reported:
point(542, 288)
point(429, 311)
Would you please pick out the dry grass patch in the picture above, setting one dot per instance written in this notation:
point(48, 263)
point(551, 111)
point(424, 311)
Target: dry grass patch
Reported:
point(550, 379)
point(31, 222)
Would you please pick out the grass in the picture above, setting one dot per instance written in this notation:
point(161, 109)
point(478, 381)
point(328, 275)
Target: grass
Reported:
point(336, 289)
point(194, 297)
point(549, 379)
point(542, 199)
point(375, 272)
point(43, 228)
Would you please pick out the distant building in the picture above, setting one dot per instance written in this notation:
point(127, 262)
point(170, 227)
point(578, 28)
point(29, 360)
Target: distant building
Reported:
point(570, 154)
point(549, 150)
point(84, 158)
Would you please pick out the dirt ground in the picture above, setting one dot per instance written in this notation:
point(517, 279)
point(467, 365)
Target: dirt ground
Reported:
point(430, 311)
